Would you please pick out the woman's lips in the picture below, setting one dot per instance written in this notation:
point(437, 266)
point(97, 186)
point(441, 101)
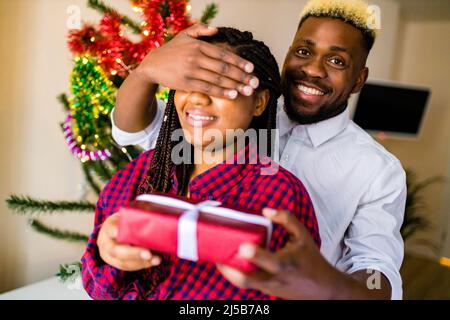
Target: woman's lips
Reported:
point(196, 118)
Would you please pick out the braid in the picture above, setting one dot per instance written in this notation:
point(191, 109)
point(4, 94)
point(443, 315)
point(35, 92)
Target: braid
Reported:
point(266, 70)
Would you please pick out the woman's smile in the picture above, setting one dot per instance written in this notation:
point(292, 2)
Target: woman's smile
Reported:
point(199, 118)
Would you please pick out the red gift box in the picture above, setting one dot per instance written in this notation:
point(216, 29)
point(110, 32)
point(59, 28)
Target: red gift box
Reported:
point(192, 230)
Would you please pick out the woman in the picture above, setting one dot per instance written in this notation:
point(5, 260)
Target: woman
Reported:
point(235, 174)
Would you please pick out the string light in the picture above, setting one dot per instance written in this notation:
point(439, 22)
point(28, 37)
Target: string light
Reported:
point(444, 261)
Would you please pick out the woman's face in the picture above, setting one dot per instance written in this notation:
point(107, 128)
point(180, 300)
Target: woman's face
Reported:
point(205, 118)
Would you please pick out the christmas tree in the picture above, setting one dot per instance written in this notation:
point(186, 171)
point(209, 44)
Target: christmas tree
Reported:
point(104, 55)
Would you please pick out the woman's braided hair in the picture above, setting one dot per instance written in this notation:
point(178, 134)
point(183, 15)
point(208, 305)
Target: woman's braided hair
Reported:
point(266, 70)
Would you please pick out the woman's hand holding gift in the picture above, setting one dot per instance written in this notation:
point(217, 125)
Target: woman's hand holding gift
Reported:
point(120, 256)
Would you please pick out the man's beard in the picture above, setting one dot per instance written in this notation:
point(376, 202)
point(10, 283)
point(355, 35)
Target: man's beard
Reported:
point(325, 112)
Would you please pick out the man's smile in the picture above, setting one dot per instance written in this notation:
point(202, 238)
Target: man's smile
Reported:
point(310, 91)
point(306, 92)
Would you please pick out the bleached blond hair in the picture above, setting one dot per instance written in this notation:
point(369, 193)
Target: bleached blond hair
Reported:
point(354, 12)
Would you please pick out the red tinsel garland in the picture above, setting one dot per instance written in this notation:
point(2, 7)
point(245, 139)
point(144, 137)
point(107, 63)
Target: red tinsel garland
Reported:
point(178, 18)
point(114, 50)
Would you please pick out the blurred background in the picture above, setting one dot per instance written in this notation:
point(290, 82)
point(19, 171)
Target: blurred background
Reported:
point(412, 48)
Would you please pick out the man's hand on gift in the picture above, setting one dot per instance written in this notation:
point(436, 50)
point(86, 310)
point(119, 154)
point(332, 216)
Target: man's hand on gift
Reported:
point(298, 270)
point(120, 256)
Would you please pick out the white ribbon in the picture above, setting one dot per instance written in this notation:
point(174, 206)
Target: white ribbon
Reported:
point(187, 247)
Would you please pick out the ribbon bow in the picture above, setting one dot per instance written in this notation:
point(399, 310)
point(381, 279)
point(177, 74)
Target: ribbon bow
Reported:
point(187, 226)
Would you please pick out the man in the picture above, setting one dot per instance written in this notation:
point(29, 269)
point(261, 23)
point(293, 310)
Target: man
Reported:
point(357, 187)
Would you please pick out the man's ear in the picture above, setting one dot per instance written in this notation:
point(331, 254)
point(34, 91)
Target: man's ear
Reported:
point(362, 78)
point(261, 101)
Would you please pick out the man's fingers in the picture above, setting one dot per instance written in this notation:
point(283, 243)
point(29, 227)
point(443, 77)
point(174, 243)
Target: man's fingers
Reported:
point(262, 258)
point(223, 70)
point(211, 89)
point(222, 54)
point(216, 79)
point(287, 220)
point(217, 52)
point(235, 276)
point(200, 30)
point(258, 280)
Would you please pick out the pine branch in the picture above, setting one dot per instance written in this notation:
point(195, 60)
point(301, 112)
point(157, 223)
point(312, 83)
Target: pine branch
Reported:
point(101, 170)
point(68, 271)
point(56, 233)
point(165, 10)
point(125, 20)
point(21, 204)
point(64, 101)
point(90, 179)
point(117, 162)
point(121, 159)
point(209, 13)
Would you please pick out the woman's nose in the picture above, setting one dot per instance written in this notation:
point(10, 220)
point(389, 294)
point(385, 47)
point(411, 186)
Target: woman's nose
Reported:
point(198, 98)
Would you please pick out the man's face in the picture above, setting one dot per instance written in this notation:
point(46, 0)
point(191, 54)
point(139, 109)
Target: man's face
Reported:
point(325, 64)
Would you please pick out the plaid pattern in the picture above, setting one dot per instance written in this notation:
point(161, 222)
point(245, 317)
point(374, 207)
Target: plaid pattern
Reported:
point(232, 184)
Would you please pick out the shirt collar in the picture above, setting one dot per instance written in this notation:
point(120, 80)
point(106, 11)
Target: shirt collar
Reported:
point(325, 130)
point(285, 124)
point(319, 132)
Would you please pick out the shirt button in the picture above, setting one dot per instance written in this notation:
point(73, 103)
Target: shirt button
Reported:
point(286, 158)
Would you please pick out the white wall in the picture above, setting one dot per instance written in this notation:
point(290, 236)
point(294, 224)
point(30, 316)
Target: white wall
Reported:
point(445, 215)
point(35, 67)
point(423, 59)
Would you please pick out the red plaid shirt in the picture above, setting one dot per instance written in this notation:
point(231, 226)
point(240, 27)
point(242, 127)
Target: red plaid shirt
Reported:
point(240, 185)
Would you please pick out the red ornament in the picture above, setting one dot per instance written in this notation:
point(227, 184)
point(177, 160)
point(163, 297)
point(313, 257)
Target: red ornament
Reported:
point(84, 40)
point(178, 18)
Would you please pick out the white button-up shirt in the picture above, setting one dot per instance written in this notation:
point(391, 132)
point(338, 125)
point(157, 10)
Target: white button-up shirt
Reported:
point(358, 190)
